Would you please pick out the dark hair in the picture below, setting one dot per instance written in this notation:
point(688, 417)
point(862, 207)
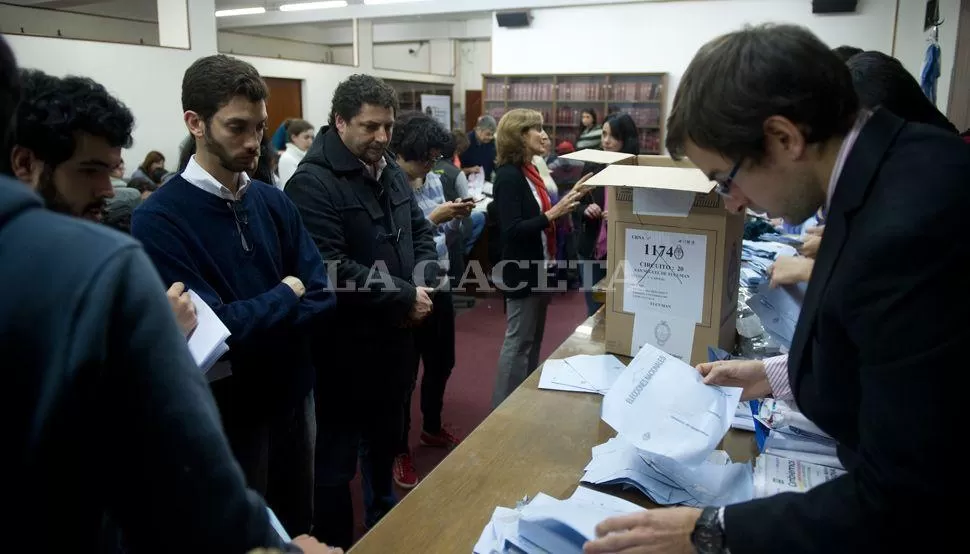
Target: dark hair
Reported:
point(213, 81)
point(53, 109)
point(142, 184)
point(736, 81)
point(186, 151)
point(459, 143)
point(296, 127)
point(266, 165)
point(150, 158)
point(351, 95)
point(9, 98)
point(416, 135)
point(624, 128)
point(881, 80)
point(591, 112)
point(845, 52)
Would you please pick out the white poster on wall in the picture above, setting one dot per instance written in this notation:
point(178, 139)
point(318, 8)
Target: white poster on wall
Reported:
point(665, 273)
point(438, 107)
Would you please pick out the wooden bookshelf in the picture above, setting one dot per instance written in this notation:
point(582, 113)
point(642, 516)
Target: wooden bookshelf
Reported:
point(562, 98)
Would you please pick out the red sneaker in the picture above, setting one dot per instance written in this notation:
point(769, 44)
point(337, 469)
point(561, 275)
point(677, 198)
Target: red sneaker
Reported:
point(441, 439)
point(405, 475)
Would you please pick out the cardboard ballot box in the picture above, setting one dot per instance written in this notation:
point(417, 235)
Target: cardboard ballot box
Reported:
point(674, 255)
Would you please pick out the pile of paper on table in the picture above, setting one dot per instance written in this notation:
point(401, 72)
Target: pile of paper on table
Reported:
point(546, 524)
point(793, 436)
point(669, 424)
point(776, 474)
point(583, 373)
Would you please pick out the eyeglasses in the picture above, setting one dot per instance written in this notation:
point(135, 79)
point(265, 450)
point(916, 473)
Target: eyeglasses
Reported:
point(723, 187)
point(242, 221)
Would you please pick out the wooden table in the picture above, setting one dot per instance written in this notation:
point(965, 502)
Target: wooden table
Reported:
point(536, 441)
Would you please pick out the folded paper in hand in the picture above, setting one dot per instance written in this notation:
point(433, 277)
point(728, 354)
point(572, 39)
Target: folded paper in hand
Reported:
point(208, 342)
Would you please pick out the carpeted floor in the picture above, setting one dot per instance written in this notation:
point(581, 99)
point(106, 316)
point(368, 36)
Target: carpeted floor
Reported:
point(479, 333)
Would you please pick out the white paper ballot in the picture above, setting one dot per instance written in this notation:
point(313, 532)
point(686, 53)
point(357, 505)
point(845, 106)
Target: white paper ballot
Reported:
point(563, 526)
point(774, 474)
point(208, 342)
point(674, 335)
point(664, 272)
point(661, 405)
point(600, 371)
point(558, 375)
point(662, 202)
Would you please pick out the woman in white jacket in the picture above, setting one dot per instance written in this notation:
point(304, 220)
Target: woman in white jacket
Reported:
point(299, 137)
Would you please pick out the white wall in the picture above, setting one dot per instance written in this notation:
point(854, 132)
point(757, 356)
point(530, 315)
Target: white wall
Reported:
point(474, 60)
point(148, 79)
point(49, 23)
point(664, 36)
point(397, 56)
point(435, 56)
point(911, 42)
point(240, 44)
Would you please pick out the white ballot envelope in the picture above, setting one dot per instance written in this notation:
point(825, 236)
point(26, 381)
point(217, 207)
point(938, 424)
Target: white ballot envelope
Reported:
point(661, 405)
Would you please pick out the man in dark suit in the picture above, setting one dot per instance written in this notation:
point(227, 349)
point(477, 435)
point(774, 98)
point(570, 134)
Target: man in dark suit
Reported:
point(770, 114)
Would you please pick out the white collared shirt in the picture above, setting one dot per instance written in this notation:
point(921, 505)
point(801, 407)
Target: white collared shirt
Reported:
point(843, 154)
point(379, 168)
point(200, 178)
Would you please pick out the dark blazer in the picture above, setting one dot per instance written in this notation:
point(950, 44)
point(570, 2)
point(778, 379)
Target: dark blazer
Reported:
point(874, 361)
point(521, 224)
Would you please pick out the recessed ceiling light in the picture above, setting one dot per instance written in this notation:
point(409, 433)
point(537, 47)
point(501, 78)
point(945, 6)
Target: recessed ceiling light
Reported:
point(240, 11)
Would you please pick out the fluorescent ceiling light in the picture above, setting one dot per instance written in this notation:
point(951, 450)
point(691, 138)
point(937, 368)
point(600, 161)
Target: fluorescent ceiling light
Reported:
point(382, 2)
point(240, 11)
point(313, 6)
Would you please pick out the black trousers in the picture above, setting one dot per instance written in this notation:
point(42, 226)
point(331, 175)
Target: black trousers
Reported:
point(276, 454)
point(434, 342)
point(359, 401)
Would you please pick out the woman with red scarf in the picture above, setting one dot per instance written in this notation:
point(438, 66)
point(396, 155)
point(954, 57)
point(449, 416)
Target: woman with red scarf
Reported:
point(527, 233)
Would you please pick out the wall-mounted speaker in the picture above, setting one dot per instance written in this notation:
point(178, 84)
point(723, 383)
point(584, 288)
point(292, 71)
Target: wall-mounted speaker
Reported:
point(513, 19)
point(834, 6)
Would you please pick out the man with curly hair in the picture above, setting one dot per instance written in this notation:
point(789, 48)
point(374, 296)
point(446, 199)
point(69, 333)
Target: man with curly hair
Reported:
point(356, 202)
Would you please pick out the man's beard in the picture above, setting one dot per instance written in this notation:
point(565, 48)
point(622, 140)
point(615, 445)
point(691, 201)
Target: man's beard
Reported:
point(55, 202)
point(225, 159)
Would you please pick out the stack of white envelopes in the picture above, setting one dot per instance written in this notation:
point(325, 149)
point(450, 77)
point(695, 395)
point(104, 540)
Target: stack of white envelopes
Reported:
point(669, 424)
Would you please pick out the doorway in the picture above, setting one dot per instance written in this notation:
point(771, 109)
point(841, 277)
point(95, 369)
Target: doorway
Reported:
point(473, 108)
point(285, 102)
point(958, 108)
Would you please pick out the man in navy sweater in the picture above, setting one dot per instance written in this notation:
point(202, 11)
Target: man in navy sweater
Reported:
point(241, 246)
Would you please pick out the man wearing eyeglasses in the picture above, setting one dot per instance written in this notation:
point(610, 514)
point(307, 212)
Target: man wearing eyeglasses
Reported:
point(240, 245)
point(770, 113)
point(357, 204)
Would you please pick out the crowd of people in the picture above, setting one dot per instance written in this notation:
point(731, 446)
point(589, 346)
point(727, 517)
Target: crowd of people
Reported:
point(331, 256)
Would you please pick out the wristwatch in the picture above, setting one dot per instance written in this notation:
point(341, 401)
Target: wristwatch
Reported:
point(708, 534)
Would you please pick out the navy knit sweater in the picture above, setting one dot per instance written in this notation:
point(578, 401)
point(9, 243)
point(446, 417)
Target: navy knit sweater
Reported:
point(234, 255)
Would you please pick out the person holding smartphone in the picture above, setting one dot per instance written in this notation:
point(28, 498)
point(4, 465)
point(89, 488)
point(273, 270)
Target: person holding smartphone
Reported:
point(417, 143)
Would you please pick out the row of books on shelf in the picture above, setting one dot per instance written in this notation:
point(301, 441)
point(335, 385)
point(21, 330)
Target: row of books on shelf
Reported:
point(579, 92)
point(644, 117)
point(637, 92)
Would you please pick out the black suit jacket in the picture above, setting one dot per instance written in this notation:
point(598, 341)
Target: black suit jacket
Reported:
point(521, 224)
point(882, 330)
